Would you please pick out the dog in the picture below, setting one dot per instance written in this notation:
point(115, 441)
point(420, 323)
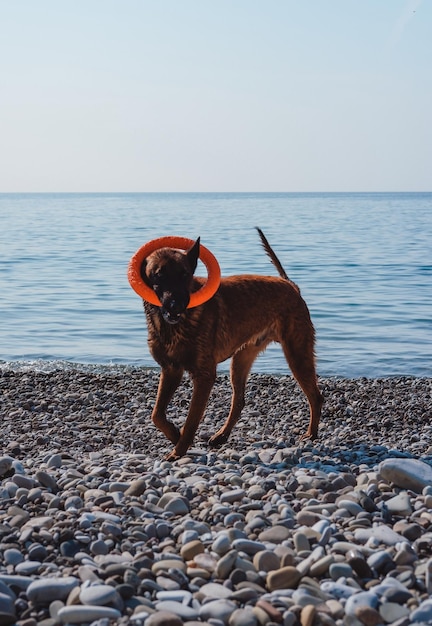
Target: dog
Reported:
point(246, 313)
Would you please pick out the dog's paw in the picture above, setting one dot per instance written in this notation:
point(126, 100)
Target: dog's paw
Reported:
point(217, 439)
point(172, 456)
point(308, 435)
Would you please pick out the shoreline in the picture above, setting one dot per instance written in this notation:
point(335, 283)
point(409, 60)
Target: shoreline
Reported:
point(49, 365)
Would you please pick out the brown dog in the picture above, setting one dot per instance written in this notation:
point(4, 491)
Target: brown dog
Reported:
point(239, 321)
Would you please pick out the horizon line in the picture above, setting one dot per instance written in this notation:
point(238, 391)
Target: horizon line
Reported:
point(405, 191)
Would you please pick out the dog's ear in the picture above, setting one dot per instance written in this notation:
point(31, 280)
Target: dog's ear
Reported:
point(193, 255)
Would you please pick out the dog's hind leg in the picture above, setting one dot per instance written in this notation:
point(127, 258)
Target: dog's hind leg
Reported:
point(170, 379)
point(241, 364)
point(301, 360)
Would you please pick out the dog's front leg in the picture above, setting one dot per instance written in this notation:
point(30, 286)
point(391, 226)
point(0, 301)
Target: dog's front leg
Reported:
point(240, 367)
point(170, 379)
point(202, 386)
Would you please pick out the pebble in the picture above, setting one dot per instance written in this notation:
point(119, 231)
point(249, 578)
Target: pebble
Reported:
point(96, 527)
point(47, 589)
point(97, 594)
point(407, 473)
point(7, 609)
point(275, 534)
point(393, 611)
point(243, 617)
point(84, 614)
point(340, 570)
point(184, 611)
point(283, 578)
point(248, 546)
point(307, 615)
point(6, 463)
point(266, 561)
point(162, 618)
point(399, 504)
point(12, 556)
point(217, 609)
point(360, 600)
point(381, 534)
point(215, 590)
point(226, 564)
point(423, 613)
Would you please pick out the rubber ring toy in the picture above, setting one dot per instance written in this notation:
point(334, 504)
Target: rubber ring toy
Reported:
point(182, 243)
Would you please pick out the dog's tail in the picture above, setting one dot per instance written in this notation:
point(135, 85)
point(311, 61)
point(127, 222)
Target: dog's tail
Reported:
point(269, 250)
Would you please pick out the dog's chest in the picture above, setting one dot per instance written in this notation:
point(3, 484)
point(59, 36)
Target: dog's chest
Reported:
point(171, 345)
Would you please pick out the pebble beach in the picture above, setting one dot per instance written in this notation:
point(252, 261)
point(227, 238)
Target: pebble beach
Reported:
point(96, 528)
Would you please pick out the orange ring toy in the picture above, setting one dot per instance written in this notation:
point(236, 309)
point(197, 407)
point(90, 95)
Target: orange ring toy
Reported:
point(199, 297)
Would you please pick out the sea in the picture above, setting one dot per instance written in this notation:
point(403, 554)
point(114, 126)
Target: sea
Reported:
point(363, 262)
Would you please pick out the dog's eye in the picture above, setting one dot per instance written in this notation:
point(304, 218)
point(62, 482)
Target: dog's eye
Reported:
point(159, 274)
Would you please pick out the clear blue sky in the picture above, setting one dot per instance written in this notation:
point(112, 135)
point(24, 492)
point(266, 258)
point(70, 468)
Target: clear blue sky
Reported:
point(215, 95)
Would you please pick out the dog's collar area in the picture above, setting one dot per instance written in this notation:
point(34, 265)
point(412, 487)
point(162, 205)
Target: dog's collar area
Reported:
point(206, 292)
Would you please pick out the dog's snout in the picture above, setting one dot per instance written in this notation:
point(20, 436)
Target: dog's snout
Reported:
point(173, 306)
point(176, 304)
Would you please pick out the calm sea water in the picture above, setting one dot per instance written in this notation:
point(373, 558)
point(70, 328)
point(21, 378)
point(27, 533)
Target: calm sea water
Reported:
point(363, 262)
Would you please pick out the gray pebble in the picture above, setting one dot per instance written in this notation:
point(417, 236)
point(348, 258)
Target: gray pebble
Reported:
point(361, 599)
point(233, 495)
point(46, 590)
point(185, 612)
point(407, 473)
point(84, 614)
point(47, 480)
point(55, 461)
point(423, 613)
point(340, 570)
point(248, 546)
point(12, 556)
point(97, 594)
point(215, 591)
point(5, 465)
point(221, 544)
point(7, 610)
point(382, 534)
point(243, 617)
point(219, 609)
point(27, 568)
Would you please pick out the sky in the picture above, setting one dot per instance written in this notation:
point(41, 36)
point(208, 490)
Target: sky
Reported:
point(215, 95)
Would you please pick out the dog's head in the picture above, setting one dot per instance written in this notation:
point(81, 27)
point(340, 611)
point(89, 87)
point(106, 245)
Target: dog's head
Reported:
point(169, 272)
